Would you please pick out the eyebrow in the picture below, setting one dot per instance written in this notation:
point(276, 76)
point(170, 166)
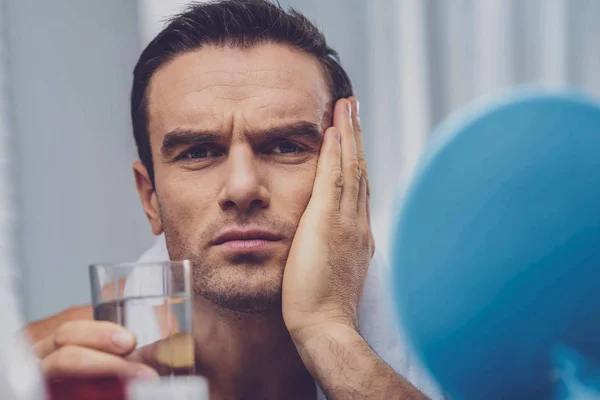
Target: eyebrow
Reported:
point(183, 137)
point(304, 129)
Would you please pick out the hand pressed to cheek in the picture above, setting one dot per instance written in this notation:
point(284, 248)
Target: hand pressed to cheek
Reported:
point(326, 270)
point(330, 254)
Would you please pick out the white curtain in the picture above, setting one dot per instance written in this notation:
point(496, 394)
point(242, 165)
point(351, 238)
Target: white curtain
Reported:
point(7, 236)
point(429, 57)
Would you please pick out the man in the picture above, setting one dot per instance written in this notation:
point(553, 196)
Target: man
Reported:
point(251, 164)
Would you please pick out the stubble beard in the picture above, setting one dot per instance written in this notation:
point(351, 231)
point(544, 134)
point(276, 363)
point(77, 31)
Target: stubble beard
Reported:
point(243, 286)
point(246, 283)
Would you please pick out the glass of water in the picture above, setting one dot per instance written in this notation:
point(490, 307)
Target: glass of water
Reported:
point(153, 301)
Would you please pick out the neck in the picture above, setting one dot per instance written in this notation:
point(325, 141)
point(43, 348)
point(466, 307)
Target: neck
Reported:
point(247, 355)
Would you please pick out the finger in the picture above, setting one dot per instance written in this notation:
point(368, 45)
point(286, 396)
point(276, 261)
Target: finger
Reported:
point(342, 119)
point(364, 210)
point(327, 187)
point(363, 202)
point(174, 353)
point(98, 335)
point(81, 362)
point(363, 206)
point(358, 134)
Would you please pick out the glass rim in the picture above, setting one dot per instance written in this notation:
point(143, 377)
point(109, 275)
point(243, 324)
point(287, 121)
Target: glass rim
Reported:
point(143, 264)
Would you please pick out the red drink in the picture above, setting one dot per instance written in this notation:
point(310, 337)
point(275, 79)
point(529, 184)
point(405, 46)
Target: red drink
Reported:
point(167, 388)
point(87, 389)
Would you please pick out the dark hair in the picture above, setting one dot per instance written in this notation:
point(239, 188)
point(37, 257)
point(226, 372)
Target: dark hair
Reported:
point(237, 23)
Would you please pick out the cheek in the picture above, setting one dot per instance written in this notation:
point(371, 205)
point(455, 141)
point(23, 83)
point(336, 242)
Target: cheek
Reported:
point(291, 189)
point(186, 200)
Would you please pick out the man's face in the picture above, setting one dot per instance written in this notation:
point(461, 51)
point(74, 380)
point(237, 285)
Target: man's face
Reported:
point(235, 136)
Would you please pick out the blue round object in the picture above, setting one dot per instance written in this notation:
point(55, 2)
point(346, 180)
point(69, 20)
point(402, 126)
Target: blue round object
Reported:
point(496, 250)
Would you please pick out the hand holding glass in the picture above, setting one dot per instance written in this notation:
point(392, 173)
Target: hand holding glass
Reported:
point(153, 301)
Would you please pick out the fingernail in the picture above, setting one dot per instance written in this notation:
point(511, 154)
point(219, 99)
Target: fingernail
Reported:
point(357, 107)
point(123, 340)
point(349, 109)
point(337, 135)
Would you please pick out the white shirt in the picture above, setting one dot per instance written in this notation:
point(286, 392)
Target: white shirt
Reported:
point(376, 321)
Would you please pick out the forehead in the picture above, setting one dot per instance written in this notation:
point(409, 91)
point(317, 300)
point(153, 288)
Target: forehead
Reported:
point(222, 88)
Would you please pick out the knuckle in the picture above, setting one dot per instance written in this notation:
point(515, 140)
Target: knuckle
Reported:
point(347, 225)
point(337, 225)
point(364, 181)
point(65, 358)
point(337, 178)
point(354, 169)
point(362, 161)
point(63, 334)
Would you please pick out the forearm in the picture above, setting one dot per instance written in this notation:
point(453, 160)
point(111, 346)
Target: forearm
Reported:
point(347, 368)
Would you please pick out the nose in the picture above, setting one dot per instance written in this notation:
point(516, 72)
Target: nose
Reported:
point(243, 189)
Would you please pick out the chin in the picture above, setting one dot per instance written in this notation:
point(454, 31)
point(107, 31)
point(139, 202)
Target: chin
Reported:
point(246, 288)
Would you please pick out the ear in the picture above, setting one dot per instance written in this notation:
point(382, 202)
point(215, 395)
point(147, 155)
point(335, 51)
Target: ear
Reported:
point(147, 196)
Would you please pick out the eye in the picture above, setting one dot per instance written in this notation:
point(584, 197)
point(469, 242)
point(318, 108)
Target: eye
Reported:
point(287, 148)
point(199, 153)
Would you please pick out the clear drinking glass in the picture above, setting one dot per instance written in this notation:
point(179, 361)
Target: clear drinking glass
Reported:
point(153, 301)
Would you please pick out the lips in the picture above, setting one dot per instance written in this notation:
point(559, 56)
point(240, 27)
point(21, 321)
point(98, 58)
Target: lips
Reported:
point(253, 235)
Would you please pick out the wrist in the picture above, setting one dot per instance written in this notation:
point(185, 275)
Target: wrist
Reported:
point(313, 339)
point(304, 326)
point(329, 352)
